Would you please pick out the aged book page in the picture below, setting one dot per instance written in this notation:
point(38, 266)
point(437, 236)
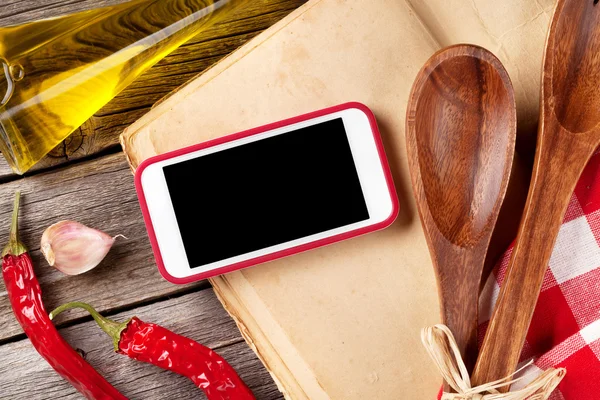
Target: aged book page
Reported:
point(514, 30)
point(343, 322)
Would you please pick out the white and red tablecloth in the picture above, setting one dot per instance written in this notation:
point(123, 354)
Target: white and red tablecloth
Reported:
point(565, 330)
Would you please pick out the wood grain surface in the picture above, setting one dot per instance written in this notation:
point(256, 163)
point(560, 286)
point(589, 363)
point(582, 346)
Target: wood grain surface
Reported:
point(460, 135)
point(569, 134)
point(88, 179)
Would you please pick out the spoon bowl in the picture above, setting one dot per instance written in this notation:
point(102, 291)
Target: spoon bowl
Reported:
point(574, 65)
point(461, 142)
point(461, 129)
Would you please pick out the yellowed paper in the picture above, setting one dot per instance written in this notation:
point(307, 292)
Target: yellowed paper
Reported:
point(343, 322)
point(514, 30)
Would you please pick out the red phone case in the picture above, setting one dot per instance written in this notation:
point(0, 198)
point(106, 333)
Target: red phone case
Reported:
point(283, 253)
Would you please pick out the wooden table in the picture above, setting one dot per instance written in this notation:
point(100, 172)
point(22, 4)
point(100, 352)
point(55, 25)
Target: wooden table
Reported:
point(87, 179)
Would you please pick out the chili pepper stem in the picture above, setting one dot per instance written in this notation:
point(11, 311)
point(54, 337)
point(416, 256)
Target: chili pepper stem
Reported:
point(110, 327)
point(14, 246)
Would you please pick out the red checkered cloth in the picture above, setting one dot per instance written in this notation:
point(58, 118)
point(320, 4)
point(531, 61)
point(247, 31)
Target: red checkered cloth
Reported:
point(565, 329)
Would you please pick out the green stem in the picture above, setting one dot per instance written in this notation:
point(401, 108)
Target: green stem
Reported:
point(112, 328)
point(14, 246)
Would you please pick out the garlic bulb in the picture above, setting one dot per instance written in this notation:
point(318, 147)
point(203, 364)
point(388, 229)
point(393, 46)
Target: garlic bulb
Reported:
point(74, 248)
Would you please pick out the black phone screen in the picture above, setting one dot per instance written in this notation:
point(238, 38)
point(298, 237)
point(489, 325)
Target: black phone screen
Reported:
point(266, 193)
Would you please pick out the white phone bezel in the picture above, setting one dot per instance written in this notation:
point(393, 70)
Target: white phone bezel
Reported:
point(368, 165)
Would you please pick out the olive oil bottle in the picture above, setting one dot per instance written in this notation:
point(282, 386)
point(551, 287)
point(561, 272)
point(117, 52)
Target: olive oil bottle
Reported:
point(56, 73)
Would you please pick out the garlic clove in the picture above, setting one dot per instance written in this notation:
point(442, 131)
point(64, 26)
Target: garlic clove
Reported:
point(74, 248)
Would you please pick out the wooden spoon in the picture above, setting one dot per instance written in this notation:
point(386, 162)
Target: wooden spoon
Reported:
point(568, 135)
point(461, 128)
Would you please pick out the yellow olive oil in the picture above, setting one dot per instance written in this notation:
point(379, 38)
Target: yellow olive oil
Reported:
point(56, 73)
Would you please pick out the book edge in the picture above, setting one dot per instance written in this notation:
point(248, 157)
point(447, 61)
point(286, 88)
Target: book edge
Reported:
point(288, 382)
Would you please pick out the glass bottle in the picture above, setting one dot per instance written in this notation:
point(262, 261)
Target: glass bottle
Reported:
point(56, 73)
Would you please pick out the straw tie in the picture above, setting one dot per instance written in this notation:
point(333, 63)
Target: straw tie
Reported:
point(443, 350)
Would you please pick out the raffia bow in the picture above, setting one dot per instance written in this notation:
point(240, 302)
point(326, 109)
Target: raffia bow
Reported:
point(443, 350)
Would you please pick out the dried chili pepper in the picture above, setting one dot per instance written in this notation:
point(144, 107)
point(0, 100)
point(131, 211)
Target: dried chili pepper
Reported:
point(26, 299)
point(156, 345)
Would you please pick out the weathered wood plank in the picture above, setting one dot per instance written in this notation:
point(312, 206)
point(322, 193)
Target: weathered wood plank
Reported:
point(101, 194)
point(183, 64)
point(25, 375)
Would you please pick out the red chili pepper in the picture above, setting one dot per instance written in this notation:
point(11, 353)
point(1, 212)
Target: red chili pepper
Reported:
point(26, 299)
point(156, 345)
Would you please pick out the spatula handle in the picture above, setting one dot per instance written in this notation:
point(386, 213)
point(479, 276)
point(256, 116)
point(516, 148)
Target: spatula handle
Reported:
point(560, 159)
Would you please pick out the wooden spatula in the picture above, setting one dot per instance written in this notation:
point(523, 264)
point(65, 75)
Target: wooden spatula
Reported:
point(568, 135)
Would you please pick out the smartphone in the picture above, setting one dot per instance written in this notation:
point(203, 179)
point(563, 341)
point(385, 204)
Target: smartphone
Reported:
point(266, 193)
